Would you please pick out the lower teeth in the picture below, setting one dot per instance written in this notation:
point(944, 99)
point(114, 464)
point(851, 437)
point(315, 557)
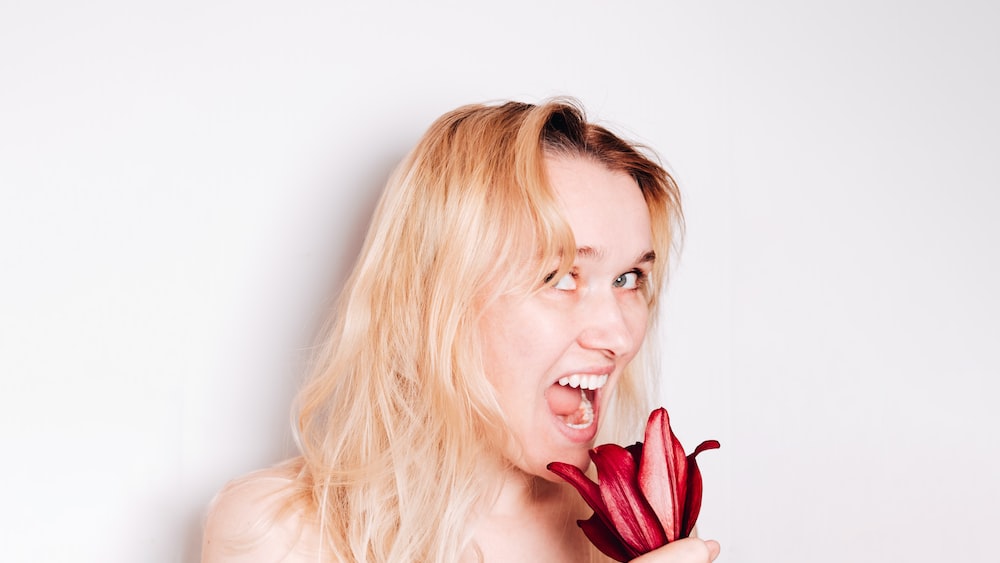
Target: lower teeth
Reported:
point(585, 413)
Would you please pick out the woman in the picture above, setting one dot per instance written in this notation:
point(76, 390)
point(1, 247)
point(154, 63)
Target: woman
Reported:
point(491, 325)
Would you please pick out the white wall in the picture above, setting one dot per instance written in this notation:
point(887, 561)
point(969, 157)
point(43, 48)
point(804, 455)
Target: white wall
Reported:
point(184, 185)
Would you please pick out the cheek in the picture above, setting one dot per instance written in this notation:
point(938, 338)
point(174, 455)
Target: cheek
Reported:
point(518, 351)
point(509, 337)
point(520, 345)
point(637, 319)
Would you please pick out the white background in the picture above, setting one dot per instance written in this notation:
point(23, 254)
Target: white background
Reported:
point(185, 184)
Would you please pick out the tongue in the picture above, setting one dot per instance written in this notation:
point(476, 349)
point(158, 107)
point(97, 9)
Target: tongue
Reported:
point(563, 401)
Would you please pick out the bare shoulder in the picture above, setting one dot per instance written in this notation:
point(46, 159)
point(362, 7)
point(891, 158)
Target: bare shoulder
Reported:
point(262, 517)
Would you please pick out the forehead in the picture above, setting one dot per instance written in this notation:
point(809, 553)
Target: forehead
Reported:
point(605, 208)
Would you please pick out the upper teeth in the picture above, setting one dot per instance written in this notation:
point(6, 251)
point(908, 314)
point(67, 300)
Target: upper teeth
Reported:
point(584, 381)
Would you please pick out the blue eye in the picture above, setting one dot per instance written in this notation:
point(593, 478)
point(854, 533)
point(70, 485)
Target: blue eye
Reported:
point(628, 280)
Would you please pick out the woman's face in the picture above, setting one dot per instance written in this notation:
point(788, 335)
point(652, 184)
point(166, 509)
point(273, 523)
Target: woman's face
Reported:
point(553, 355)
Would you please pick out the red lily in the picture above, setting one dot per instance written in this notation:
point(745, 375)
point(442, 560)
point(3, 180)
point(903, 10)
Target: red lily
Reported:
point(647, 495)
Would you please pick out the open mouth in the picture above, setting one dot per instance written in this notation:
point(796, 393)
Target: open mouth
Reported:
point(572, 399)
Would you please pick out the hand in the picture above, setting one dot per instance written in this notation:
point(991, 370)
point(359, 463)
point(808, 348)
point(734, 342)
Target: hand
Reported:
point(688, 550)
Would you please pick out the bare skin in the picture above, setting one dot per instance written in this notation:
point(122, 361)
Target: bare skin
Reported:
point(592, 322)
point(532, 521)
point(234, 513)
point(541, 526)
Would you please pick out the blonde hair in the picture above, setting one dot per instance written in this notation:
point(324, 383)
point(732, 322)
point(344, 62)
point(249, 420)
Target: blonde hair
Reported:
point(398, 427)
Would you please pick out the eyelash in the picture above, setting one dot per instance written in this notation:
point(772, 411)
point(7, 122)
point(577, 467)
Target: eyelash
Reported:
point(640, 279)
point(551, 276)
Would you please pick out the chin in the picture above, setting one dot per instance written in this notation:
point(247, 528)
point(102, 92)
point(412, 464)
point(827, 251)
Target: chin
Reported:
point(579, 459)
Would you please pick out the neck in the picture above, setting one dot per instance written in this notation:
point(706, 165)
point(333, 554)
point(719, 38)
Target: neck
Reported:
point(532, 519)
point(522, 492)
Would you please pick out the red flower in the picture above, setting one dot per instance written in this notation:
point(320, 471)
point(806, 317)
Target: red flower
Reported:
point(647, 494)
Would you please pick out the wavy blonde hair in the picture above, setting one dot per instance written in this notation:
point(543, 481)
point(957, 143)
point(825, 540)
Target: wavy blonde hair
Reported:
point(398, 427)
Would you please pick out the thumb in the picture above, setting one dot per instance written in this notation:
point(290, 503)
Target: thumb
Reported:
point(713, 549)
point(688, 550)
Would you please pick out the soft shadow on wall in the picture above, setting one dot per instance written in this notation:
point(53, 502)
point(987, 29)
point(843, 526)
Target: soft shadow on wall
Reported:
point(324, 252)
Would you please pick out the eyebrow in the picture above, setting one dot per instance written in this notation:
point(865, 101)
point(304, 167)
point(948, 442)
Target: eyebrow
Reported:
point(598, 253)
point(647, 258)
point(589, 252)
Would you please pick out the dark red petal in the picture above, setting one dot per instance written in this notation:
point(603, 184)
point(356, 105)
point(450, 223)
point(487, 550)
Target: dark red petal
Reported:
point(636, 451)
point(692, 504)
point(654, 471)
point(663, 473)
point(588, 489)
point(706, 445)
point(680, 481)
point(605, 539)
point(630, 514)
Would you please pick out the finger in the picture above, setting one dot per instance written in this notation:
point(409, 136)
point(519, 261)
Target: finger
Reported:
point(713, 549)
point(687, 550)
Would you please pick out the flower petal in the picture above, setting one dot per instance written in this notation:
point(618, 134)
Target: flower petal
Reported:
point(630, 514)
point(588, 489)
point(646, 494)
point(692, 504)
point(591, 494)
point(636, 451)
point(663, 473)
point(606, 539)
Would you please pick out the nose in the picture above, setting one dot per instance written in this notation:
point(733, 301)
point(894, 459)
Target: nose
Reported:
point(610, 326)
